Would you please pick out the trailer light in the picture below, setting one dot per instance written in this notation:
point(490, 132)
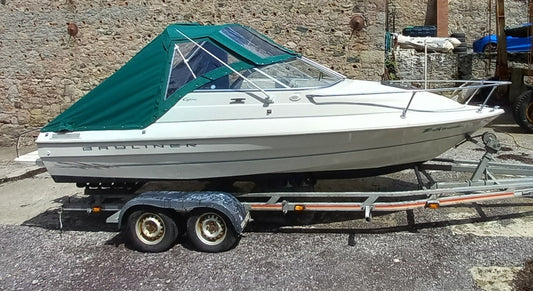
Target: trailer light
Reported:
point(97, 209)
point(432, 204)
point(299, 208)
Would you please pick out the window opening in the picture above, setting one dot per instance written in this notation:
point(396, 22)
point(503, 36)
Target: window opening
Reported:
point(223, 62)
point(186, 61)
point(191, 61)
point(252, 42)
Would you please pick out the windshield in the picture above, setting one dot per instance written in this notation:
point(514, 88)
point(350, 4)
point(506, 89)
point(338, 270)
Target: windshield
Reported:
point(292, 74)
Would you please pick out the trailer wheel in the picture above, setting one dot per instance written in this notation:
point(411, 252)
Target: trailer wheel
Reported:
point(210, 231)
point(523, 111)
point(151, 231)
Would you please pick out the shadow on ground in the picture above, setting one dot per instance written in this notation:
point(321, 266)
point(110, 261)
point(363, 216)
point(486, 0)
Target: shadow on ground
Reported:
point(351, 223)
point(506, 124)
point(55, 219)
point(294, 222)
point(524, 279)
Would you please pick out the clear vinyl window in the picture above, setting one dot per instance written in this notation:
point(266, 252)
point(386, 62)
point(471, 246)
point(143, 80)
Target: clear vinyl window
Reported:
point(191, 61)
point(252, 42)
point(292, 74)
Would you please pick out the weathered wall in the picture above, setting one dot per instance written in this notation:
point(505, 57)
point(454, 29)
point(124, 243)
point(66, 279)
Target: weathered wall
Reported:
point(43, 70)
point(473, 18)
point(470, 17)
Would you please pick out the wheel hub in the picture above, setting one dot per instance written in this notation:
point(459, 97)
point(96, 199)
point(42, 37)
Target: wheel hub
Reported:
point(150, 228)
point(212, 228)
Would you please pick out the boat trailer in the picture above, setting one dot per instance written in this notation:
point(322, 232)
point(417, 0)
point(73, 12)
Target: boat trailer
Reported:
point(482, 185)
point(215, 220)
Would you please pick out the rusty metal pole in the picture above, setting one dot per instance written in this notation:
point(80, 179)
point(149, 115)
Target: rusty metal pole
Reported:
point(442, 18)
point(530, 54)
point(502, 68)
point(489, 66)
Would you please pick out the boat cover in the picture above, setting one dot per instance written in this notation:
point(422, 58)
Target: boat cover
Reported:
point(151, 83)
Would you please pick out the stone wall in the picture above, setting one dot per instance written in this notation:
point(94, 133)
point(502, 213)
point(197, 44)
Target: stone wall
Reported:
point(470, 17)
point(44, 70)
point(473, 18)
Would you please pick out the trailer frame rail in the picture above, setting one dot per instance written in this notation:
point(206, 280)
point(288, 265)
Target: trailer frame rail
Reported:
point(488, 181)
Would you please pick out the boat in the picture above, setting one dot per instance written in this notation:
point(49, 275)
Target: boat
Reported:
point(224, 101)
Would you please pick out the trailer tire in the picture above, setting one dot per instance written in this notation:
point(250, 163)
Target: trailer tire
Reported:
point(151, 230)
point(211, 231)
point(523, 110)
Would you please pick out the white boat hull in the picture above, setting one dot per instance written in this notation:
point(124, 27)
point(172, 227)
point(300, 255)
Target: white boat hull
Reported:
point(76, 160)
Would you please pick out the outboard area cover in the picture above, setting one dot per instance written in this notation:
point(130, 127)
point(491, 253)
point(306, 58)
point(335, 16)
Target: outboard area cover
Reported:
point(182, 58)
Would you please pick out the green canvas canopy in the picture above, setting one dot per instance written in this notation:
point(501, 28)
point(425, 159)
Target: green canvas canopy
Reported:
point(184, 57)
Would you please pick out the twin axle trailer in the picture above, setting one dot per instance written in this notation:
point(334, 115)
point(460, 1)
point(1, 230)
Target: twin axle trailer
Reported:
point(215, 220)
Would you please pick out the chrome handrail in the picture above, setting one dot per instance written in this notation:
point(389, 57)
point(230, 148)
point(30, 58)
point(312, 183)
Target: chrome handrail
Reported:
point(467, 85)
point(17, 145)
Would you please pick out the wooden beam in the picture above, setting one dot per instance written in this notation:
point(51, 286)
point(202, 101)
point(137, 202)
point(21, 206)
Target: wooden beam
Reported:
point(442, 18)
point(502, 68)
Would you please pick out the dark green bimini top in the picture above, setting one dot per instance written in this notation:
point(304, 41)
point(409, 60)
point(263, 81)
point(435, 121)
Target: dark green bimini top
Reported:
point(183, 58)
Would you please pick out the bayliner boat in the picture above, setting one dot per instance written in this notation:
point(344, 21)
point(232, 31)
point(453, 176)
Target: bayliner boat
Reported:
point(204, 102)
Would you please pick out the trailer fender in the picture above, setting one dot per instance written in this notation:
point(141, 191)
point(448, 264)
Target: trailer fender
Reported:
point(185, 202)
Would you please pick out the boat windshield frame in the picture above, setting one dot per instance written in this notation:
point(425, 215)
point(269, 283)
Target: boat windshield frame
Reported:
point(335, 76)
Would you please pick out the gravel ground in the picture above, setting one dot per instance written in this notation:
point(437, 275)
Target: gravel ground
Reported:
point(479, 246)
point(431, 259)
point(414, 250)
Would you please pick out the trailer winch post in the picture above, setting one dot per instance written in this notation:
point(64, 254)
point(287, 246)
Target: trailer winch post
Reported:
point(492, 146)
